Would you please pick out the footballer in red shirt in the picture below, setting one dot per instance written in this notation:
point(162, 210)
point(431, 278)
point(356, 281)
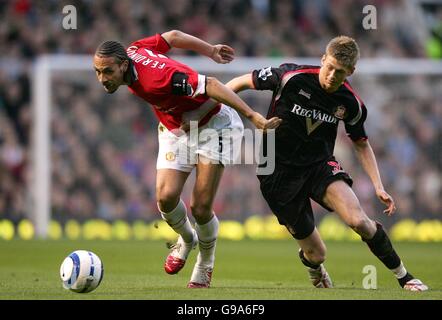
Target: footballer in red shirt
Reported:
point(180, 95)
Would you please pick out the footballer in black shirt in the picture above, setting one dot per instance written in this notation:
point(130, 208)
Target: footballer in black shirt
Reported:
point(310, 115)
point(311, 100)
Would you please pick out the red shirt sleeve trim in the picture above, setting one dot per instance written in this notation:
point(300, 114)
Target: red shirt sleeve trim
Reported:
point(170, 47)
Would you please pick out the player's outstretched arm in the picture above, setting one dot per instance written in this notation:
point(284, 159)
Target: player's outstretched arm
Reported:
point(222, 93)
point(220, 53)
point(367, 159)
point(241, 83)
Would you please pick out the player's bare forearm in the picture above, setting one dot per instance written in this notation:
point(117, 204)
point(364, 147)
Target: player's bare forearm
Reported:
point(236, 85)
point(241, 83)
point(219, 53)
point(223, 94)
point(367, 159)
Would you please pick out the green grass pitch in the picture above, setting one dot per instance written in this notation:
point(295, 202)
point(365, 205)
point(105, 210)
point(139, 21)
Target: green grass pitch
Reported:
point(244, 270)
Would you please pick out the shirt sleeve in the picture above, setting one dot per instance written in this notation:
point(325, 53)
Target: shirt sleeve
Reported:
point(188, 84)
point(354, 126)
point(266, 78)
point(156, 43)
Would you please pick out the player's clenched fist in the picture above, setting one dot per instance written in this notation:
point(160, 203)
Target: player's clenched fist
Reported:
point(262, 123)
point(222, 53)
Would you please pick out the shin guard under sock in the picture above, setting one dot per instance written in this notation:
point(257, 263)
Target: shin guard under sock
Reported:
point(382, 248)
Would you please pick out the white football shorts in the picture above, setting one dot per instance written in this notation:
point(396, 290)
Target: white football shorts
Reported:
point(219, 141)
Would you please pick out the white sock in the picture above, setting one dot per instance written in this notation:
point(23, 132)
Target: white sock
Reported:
point(207, 235)
point(400, 271)
point(178, 221)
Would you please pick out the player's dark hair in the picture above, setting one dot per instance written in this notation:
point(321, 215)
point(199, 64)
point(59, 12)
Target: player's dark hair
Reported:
point(112, 49)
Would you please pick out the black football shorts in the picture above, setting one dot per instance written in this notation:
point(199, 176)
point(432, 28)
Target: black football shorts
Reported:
point(288, 192)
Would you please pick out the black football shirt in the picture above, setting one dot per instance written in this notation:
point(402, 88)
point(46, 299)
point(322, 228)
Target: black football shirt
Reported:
point(310, 116)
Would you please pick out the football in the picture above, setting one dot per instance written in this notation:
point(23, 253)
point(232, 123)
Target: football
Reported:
point(81, 271)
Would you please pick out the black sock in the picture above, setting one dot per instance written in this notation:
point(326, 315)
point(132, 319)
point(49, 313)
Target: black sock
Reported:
point(382, 248)
point(404, 280)
point(306, 262)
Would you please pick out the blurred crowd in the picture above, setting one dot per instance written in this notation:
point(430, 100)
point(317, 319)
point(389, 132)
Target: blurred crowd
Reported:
point(104, 147)
point(253, 27)
point(404, 126)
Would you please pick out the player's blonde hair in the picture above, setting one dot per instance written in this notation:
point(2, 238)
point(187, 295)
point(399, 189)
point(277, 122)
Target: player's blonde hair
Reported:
point(344, 49)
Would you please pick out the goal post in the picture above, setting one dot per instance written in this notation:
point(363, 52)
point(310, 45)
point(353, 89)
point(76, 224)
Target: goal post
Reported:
point(40, 208)
point(42, 88)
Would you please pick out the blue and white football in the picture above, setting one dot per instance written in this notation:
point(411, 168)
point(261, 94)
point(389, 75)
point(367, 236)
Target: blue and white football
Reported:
point(81, 271)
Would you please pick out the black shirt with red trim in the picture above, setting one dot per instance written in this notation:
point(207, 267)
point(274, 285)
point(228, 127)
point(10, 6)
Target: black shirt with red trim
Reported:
point(310, 115)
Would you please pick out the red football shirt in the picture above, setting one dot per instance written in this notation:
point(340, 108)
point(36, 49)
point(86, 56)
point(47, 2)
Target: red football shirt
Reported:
point(153, 82)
